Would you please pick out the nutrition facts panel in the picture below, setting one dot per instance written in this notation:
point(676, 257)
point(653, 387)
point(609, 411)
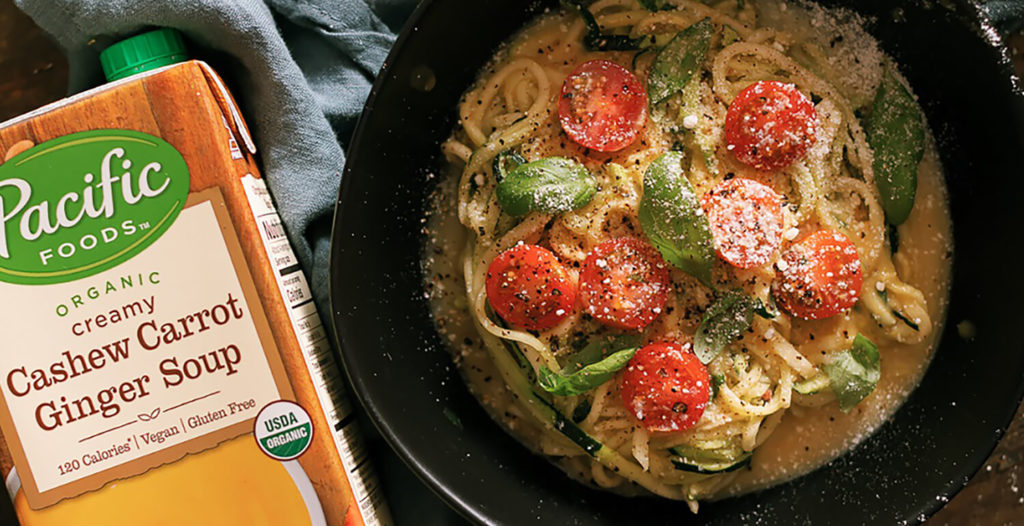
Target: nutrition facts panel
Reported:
point(322, 366)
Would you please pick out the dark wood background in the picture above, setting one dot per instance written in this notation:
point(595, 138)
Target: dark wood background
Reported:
point(33, 72)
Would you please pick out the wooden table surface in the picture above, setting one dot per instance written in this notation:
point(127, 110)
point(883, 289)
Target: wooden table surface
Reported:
point(34, 73)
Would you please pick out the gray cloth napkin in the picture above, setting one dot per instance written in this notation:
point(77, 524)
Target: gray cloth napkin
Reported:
point(300, 69)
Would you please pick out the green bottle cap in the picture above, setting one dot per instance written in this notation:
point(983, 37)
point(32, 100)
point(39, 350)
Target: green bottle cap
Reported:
point(143, 52)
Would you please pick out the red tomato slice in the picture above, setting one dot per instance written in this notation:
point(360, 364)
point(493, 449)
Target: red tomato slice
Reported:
point(746, 221)
point(770, 124)
point(666, 387)
point(602, 106)
point(529, 288)
point(819, 277)
point(624, 283)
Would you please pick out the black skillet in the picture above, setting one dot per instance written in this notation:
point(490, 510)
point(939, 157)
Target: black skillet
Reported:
point(402, 372)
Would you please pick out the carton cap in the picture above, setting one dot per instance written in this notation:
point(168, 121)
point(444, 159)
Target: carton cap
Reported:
point(143, 52)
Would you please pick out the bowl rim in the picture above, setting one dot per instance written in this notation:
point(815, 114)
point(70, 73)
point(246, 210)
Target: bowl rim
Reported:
point(971, 13)
point(360, 388)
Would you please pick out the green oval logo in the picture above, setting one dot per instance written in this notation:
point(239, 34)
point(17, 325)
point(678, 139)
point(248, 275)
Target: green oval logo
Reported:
point(283, 430)
point(85, 203)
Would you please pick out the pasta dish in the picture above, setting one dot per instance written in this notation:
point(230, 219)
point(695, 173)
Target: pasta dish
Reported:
point(690, 249)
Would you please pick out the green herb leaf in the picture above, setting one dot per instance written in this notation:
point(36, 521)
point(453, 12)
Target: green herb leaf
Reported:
point(672, 219)
point(550, 185)
point(679, 61)
point(595, 40)
point(895, 131)
point(854, 373)
point(505, 162)
point(591, 366)
point(585, 379)
point(724, 320)
point(600, 347)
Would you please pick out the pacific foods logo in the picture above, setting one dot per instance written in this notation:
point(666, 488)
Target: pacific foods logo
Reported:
point(85, 203)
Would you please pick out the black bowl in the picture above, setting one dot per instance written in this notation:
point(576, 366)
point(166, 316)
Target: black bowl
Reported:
point(402, 371)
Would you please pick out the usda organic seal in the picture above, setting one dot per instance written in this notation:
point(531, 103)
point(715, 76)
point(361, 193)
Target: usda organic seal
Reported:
point(283, 430)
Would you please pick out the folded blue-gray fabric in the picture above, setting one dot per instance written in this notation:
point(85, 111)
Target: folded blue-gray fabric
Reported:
point(300, 69)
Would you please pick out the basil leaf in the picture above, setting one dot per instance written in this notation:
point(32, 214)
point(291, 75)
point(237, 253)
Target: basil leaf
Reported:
point(895, 131)
point(679, 61)
point(595, 40)
point(505, 162)
point(673, 220)
point(551, 185)
point(725, 319)
point(598, 348)
point(854, 373)
point(586, 378)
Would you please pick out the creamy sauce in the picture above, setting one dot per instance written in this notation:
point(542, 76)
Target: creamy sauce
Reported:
point(807, 438)
point(446, 286)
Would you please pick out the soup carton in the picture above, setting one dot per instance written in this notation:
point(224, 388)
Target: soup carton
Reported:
point(162, 359)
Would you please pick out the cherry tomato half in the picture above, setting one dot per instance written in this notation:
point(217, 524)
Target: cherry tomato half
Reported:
point(602, 106)
point(624, 283)
point(819, 277)
point(528, 287)
point(770, 124)
point(666, 387)
point(746, 221)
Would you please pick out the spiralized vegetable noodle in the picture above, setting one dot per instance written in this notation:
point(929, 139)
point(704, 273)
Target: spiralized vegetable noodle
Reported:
point(754, 407)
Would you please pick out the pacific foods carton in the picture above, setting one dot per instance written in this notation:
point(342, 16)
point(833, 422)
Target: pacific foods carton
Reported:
point(161, 360)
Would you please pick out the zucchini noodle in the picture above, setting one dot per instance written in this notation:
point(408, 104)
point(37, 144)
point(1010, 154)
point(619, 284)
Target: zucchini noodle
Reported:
point(513, 106)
